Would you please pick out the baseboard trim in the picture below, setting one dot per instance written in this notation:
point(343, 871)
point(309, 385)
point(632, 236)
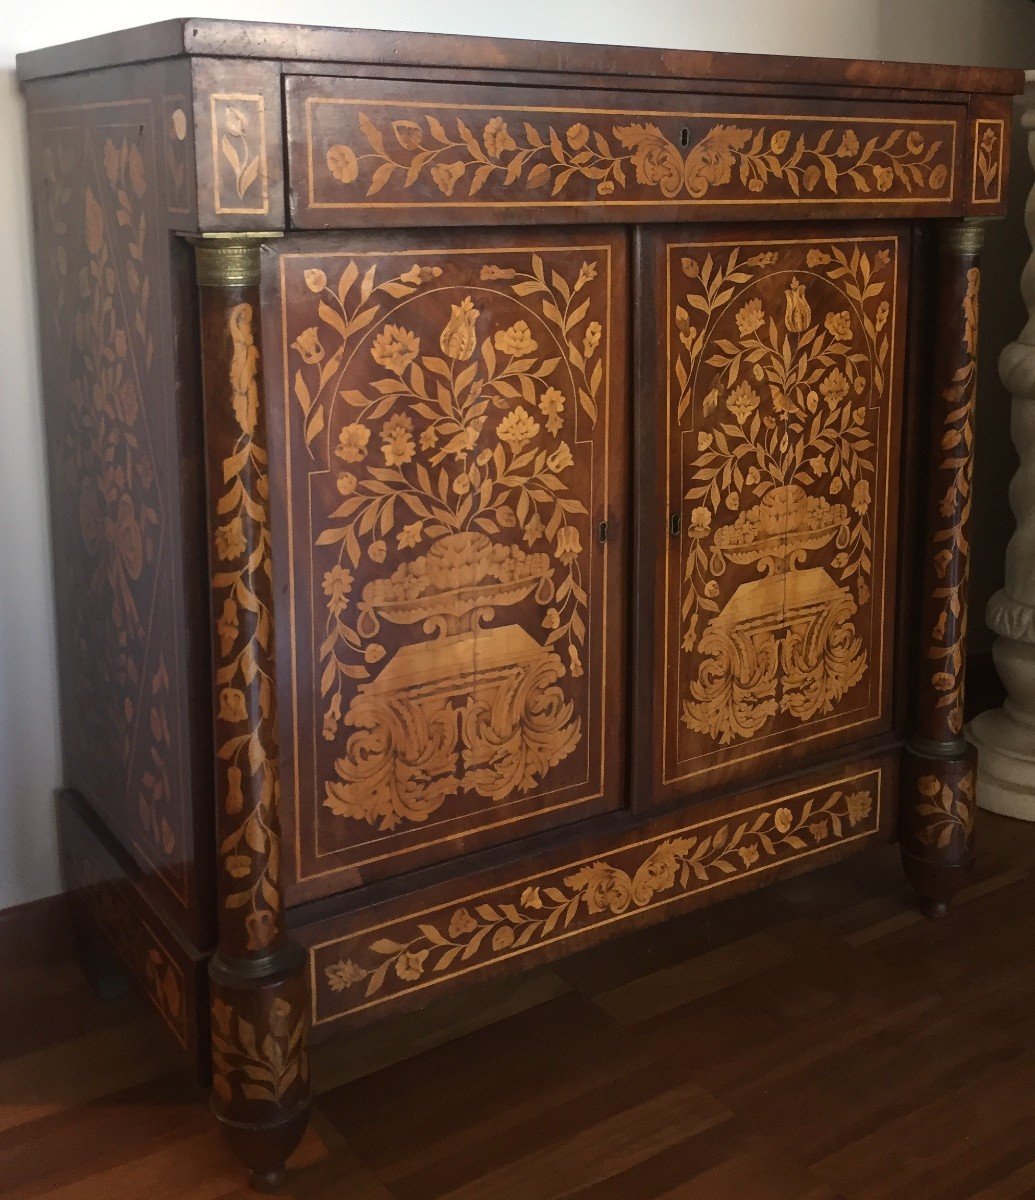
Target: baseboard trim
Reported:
point(25, 928)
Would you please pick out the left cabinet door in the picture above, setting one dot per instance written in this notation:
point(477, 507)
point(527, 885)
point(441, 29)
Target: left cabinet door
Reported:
point(448, 491)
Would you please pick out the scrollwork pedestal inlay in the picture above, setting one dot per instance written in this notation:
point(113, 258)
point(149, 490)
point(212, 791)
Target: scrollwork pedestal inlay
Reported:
point(476, 708)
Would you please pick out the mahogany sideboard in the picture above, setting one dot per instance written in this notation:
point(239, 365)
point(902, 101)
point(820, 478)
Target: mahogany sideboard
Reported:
point(503, 493)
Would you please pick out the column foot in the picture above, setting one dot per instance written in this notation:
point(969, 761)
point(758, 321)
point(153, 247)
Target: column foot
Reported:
point(104, 970)
point(937, 826)
point(268, 1183)
point(261, 1095)
point(265, 1148)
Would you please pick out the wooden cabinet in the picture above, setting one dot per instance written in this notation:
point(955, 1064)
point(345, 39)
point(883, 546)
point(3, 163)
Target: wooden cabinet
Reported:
point(503, 494)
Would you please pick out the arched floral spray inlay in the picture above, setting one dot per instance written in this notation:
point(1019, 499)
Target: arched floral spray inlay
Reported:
point(778, 365)
point(447, 417)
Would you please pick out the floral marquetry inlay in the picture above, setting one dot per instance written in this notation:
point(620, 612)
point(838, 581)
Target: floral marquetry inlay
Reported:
point(110, 447)
point(260, 1054)
point(175, 149)
point(946, 810)
point(989, 150)
point(782, 410)
point(451, 413)
point(239, 153)
point(375, 965)
point(363, 153)
point(245, 718)
point(951, 539)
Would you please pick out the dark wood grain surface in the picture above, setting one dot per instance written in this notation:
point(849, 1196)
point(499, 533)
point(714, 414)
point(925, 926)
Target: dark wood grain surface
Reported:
point(204, 36)
point(818, 1041)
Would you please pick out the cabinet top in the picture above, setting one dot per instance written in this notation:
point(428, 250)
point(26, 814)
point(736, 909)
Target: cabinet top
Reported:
point(205, 37)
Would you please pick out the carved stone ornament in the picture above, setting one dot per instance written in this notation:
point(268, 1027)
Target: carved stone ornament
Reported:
point(1005, 737)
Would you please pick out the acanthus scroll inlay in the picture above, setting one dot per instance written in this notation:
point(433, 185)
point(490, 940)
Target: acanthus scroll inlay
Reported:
point(379, 152)
point(415, 951)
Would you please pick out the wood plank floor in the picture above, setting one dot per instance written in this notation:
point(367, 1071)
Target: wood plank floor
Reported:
point(813, 1041)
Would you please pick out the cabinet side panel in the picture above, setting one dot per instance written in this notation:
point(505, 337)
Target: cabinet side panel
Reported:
point(122, 433)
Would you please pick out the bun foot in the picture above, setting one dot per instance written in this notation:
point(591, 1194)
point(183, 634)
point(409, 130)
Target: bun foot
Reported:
point(264, 1149)
point(268, 1181)
point(100, 964)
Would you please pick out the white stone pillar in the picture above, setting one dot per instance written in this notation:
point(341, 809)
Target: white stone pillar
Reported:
point(1005, 737)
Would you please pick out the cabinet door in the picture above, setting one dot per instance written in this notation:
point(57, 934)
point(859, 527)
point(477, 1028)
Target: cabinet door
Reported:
point(447, 417)
point(771, 417)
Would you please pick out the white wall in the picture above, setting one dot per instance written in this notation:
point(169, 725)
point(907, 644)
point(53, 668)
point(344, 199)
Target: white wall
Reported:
point(982, 32)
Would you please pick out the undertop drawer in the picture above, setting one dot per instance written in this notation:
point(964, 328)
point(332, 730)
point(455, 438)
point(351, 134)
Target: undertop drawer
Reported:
point(374, 152)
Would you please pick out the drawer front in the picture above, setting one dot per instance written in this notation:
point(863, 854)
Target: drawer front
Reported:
point(390, 955)
point(448, 437)
point(772, 533)
point(376, 152)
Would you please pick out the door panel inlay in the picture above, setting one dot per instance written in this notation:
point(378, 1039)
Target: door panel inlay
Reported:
point(449, 459)
point(782, 412)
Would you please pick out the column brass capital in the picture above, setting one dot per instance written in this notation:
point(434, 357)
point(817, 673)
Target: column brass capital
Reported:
point(229, 259)
point(963, 238)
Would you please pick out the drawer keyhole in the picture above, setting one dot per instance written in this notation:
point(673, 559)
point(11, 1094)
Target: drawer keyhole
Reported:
point(675, 524)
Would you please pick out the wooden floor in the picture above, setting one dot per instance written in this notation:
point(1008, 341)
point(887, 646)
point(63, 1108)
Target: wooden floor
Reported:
point(814, 1040)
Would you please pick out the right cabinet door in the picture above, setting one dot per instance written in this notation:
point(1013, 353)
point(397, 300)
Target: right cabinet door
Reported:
point(769, 410)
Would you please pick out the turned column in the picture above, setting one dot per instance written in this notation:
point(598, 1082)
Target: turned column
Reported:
point(937, 810)
point(261, 1093)
point(1005, 737)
